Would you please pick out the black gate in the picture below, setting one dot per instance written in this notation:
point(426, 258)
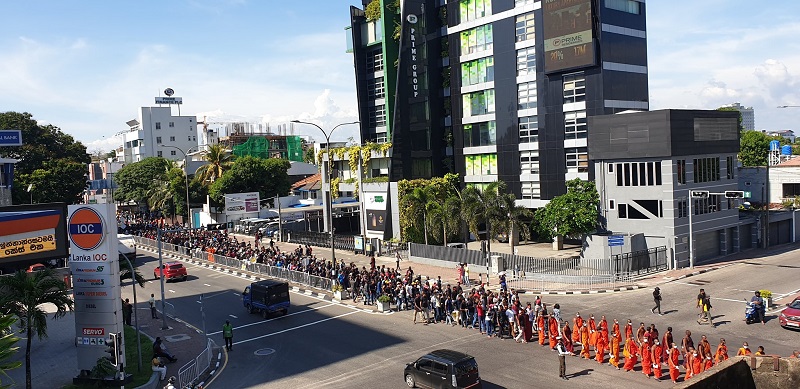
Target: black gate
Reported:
point(641, 262)
point(321, 239)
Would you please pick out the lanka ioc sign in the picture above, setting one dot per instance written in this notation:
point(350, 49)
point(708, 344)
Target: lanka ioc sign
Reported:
point(86, 229)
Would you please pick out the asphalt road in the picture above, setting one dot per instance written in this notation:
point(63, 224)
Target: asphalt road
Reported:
point(321, 344)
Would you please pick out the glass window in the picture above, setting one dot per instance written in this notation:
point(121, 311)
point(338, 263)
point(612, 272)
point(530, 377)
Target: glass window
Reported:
point(476, 40)
point(575, 125)
point(375, 88)
point(526, 61)
point(480, 134)
point(172, 139)
point(478, 103)
point(158, 125)
point(158, 139)
point(528, 129)
point(526, 95)
point(629, 6)
point(374, 61)
point(525, 27)
point(529, 162)
point(377, 116)
point(171, 124)
point(577, 160)
point(160, 153)
point(574, 88)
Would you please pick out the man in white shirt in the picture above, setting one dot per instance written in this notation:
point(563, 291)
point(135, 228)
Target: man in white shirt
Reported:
point(562, 360)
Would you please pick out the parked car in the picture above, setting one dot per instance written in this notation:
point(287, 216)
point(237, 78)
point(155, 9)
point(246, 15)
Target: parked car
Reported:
point(171, 271)
point(790, 316)
point(36, 267)
point(443, 369)
point(267, 297)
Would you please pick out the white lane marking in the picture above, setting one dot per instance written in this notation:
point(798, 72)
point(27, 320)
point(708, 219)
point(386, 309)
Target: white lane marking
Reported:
point(782, 295)
point(206, 284)
point(198, 301)
point(734, 300)
point(233, 316)
point(275, 318)
point(171, 291)
point(294, 328)
point(740, 290)
point(236, 293)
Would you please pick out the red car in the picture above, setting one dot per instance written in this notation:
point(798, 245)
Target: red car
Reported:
point(36, 267)
point(172, 271)
point(790, 317)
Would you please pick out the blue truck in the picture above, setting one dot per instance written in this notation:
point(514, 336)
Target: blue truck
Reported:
point(267, 297)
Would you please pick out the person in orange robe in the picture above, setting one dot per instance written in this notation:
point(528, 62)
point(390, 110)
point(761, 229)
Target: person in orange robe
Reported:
point(613, 351)
point(567, 338)
point(633, 350)
point(672, 361)
point(709, 363)
point(602, 327)
point(744, 350)
point(615, 327)
point(540, 325)
point(553, 332)
point(697, 363)
point(577, 324)
point(593, 332)
point(647, 357)
point(657, 355)
point(691, 355)
point(628, 330)
point(601, 345)
point(722, 352)
point(585, 341)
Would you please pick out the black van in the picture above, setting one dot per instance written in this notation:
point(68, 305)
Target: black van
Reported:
point(443, 369)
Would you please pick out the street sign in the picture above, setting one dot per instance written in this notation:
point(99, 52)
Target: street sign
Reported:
point(616, 240)
point(169, 100)
point(734, 194)
point(702, 194)
point(748, 195)
point(10, 138)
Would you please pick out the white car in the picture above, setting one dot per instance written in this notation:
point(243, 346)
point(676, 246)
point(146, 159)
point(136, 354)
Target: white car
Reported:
point(127, 246)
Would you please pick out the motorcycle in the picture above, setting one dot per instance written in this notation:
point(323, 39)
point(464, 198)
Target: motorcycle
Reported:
point(750, 315)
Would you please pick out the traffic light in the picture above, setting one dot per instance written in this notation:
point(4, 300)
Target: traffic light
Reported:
point(114, 348)
point(734, 194)
point(702, 194)
point(230, 225)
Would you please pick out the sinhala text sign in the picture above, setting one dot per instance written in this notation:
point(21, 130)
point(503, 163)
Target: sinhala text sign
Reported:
point(94, 263)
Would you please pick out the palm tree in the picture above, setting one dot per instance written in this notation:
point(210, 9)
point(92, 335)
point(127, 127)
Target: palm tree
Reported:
point(441, 215)
point(482, 206)
point(418, 201)
point(22, 295)
point(7, 346)
point(219, 159)
point(511, 218)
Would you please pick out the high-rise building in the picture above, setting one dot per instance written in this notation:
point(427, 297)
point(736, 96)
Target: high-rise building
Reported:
point(156, 127)
point(748, 115)
point(496, 89)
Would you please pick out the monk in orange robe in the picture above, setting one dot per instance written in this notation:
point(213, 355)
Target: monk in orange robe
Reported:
point(672, 360)
point(744, 350)
point(615, 327)
point(613, 352)
point(628, 330)
point(577, 325)
point(657, 355)
point(592, 332)
point(602, 327)
point(632, 354)
point(553, 332)
point(567, 338)
point(722, 352)
point(600, 346)
point(697, 363)
point(647, 357)
point(691, 355)
point(709, 363)
point(585, 341)
point(540, 323)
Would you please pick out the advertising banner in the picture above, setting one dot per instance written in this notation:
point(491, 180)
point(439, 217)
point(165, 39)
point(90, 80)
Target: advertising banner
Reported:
point(239, 203)
point(94, 262)
point(568, 34)
point(376, 220)
point(33, 233)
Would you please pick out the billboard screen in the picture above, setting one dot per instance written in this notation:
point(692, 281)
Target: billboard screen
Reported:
point(568, 35)
point(33, 233)
point(239, 203)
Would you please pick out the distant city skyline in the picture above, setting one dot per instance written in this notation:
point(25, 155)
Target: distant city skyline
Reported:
point(272, 62)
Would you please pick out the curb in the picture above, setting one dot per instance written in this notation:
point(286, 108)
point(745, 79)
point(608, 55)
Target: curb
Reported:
point(574, 292)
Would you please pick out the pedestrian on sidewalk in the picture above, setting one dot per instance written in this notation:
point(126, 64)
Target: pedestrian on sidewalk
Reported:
point(562, 359)
point(397, 260)
point(700, 297)
point(227, 333)
point(127, 311)
point(153, 312)
point(657, 301)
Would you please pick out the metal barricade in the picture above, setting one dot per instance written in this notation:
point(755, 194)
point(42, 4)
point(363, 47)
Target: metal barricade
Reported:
point(190, 372)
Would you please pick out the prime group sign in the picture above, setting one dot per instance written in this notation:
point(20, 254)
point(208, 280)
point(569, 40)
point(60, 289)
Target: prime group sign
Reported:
point(94, 263)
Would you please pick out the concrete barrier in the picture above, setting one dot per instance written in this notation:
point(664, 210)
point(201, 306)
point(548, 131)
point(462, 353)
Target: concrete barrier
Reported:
point(153, 383)
point(749, 372)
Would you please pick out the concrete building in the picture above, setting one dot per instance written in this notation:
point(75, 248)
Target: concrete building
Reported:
point(156, 127)
point(748, 115)
point(6, 180)
point(646, 164)
point(479, 88)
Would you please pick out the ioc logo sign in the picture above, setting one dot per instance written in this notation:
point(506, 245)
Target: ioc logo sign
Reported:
point(86, 229)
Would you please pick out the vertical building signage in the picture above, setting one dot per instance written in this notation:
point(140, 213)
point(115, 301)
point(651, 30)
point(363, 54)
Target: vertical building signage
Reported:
point(568, 34)
point(94, 263)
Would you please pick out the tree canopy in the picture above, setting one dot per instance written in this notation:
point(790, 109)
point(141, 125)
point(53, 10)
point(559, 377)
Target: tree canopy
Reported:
point(753, 148)
point(250, 174)
point(49, 159)
point(135, 180)
point(571, 214)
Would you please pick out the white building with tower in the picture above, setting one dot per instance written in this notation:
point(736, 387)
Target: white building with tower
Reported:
point(156, 127)
point(748, 115)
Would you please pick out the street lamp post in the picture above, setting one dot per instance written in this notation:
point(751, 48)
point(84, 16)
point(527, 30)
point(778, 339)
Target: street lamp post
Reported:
point(186, 168)
point(329, 197)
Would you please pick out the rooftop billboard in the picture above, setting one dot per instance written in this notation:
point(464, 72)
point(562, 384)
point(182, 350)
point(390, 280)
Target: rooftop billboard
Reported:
point(33, 233)
point(568, 35)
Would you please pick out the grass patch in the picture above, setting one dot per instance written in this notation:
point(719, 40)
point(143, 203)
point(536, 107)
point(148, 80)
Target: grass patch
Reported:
point(131, 358)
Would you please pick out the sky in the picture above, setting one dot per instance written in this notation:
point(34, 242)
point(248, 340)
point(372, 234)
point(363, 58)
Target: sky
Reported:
point(87, 66)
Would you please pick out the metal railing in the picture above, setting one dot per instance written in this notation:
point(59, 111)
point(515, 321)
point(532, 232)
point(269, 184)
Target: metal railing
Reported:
point(321, 239)
point(641, 262)
point(245, 265)
point(190, 372)
point(563, 283)
point(444, 253)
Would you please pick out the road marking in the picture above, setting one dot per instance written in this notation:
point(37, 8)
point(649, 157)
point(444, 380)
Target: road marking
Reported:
point(171, 291)
point(198, 301)
point(734, 300)
point(294, 328)
point(740, 290)
point(275, 318)
point(781, 296)
point(233, 316)
point(207, 285)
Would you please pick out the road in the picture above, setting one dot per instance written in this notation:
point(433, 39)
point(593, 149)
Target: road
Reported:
point(322, 344)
